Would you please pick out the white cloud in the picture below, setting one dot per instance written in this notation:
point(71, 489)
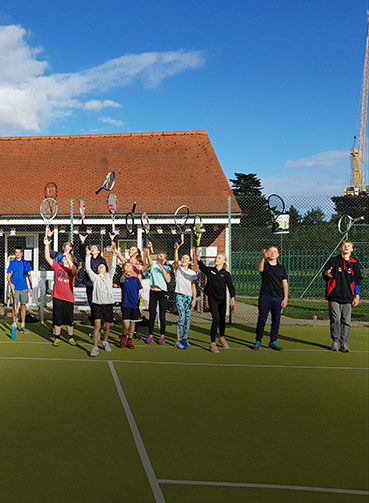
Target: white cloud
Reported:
point(329, 159)
point(30, 98)
point(99, 105)
point(326, 173)
point(110, 120)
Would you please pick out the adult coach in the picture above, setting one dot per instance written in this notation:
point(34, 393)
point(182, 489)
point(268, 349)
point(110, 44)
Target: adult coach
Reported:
point(273, 296)
point(18, 272)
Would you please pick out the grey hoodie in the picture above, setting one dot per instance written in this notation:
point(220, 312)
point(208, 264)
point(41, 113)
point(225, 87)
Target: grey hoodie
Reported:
point(102, 292)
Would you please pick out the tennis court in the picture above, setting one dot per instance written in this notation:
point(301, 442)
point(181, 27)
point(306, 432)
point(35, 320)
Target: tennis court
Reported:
point(159, 424)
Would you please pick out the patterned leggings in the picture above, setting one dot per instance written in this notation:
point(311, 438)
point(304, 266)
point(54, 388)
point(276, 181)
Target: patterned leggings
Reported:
point(183, 303)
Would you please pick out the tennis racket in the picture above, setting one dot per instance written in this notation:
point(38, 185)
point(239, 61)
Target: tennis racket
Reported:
point(146, 227)
point(109, 182)
point(346, 222)
point(130, 225)
point(112, 202)
point(276, 206)
point(180, 219)
point(48, 211)
point(51, 190)
point(82, 210)
point(198, 230)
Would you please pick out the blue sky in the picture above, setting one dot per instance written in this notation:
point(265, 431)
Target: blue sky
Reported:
point(275, 82)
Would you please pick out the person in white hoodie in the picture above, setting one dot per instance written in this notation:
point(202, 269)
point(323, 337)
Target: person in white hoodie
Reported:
point(102, 298)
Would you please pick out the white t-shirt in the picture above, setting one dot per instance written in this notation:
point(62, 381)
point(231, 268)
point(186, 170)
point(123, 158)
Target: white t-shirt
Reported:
point(184, 279)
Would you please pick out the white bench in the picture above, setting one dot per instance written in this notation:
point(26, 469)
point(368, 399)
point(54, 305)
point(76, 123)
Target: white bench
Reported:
point(80, 298)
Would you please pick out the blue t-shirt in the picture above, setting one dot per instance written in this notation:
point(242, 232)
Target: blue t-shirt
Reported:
point(130, 290)
point(19, 270)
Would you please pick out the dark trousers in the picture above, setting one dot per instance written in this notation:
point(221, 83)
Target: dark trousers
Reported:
point(89, 290)
point(273, 305)
point(218, 311)
point(156, 297)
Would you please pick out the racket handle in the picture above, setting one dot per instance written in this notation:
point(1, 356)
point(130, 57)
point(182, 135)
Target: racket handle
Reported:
point(182, 238)
point(46, 229)
point(113, 227)
point(99, 190)
point(134, 207)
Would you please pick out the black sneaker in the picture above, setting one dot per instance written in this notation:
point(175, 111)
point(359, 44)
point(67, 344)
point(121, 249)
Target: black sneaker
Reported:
point(274, 345)
point(136, 336)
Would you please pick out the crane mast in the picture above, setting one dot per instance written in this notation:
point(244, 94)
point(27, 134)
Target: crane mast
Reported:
point(358, 156)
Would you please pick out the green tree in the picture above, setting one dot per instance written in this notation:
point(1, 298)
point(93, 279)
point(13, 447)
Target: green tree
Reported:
point(313, 217)
point(295, 217)
point(246, 185)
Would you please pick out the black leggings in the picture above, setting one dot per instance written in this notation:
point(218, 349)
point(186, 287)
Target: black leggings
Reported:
point(156, 297)
point(218, 311)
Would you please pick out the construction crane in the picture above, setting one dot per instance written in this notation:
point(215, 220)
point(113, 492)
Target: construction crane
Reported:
point(357, 156)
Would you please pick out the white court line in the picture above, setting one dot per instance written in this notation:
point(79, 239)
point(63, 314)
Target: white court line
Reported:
point(159, 498)
point(265, 486)
point(194, 364)
point(202, 348)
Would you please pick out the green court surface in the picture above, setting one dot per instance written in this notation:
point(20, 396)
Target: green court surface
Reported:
point(158, 424)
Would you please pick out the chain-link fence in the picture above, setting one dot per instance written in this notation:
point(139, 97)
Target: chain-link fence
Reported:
point(241, 232)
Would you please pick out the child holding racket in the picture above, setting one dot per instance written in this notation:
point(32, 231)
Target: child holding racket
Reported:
point(130, 305)
point(159, 279)
point(96, 260)
point(273, 296)
point(218, 280)
point(185, 291)
point(18, 272)
point(102, 298)
point(343, 277)
point(62, 294)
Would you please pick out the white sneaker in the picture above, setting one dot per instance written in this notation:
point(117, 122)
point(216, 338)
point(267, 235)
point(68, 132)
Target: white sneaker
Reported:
point(344, 348)
point(106, 346)
point(94, 351)
point(179, 345)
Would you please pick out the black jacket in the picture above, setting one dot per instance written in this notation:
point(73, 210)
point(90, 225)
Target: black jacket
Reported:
point(217, 282)
point(346, 274)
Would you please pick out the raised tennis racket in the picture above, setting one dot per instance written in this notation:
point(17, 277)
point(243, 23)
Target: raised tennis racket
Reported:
point(109, 182)
point(346, 222)
point(146, 227)
point(198, 230)
point(51, 190)
point(48, 211)
point(276, 206)
point(130, 224)
point(181, 216)
point(112, 202)
point(82, 210)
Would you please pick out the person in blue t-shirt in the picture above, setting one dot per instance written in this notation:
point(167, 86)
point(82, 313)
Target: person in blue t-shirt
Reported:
point(18, 272)
point(130, 305)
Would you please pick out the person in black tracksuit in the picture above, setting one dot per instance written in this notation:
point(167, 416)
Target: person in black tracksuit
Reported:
point(343, 276)
point(96, 260)
point(218, 280)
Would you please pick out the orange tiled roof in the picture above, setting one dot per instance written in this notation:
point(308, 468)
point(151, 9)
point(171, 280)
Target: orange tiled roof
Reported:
point(159, 170)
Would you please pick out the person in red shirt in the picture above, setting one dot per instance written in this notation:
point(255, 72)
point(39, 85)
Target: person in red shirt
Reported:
point(62, 294)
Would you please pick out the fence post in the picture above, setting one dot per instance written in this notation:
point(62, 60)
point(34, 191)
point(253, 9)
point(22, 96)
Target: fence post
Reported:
point(71, 221)
point(229, 249)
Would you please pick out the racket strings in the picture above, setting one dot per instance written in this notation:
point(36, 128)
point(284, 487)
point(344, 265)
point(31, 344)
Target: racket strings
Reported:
point(110, 181)
point(48, 209)
point(112, 203)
